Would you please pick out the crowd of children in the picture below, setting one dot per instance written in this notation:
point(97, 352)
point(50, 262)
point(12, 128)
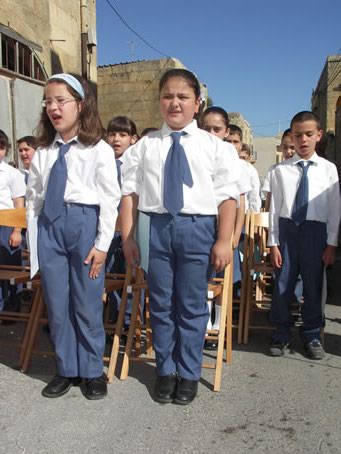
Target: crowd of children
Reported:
point(194, 180)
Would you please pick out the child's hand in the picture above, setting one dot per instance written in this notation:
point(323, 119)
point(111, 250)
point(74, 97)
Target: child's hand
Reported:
point(328, 256)
point(131, 252)
point(15, 239)
point(275, 257)
point(98, 260)
point(221, 255)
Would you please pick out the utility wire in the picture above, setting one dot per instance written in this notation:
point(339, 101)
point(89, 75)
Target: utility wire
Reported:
point(135, 32)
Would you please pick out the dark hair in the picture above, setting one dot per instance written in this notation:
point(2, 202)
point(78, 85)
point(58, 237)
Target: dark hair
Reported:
point(90, 129)
point(234, 129)
point(148, 130)
point(184, 74)
point(246, 147)
point(220, 111)
point(122, 124)
point(287, 132)
point(4, 141)
point(30, 140)
point(306, 115)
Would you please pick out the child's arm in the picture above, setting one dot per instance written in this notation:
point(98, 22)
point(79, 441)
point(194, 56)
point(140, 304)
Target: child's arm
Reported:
point(16, 238)
point(221, 251)
point(333, 220)
point(328, 256)
point(240, 217)
point(128, 215)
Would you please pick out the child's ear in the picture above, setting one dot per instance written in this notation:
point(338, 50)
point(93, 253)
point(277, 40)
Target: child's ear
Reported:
point(227, 133)
point(133, 139)
point(319, 135)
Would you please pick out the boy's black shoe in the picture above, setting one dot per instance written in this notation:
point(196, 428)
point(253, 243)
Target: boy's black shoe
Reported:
point(165, 388)
point(278, 348)
point(59, 386)
point(95, 388)
point(185, 392)
point(314, 349)
point(210, 345)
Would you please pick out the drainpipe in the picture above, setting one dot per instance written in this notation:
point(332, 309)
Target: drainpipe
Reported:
point(84, 37)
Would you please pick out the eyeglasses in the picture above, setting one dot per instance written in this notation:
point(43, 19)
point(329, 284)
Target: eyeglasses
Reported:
point(60, 102)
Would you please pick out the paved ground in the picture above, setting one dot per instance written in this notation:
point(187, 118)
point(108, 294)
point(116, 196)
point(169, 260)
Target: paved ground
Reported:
point(266, 405)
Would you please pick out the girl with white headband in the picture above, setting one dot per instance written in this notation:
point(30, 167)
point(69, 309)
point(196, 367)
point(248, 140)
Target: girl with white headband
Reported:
point(73, 193)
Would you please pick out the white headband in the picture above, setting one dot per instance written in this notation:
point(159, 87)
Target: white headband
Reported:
point(72, 81)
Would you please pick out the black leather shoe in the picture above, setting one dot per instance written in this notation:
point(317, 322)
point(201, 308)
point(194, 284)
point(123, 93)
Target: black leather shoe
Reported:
point(186, 390)
point(165, 388)
point(210, 345)
point(59, 386)
point(95, 388)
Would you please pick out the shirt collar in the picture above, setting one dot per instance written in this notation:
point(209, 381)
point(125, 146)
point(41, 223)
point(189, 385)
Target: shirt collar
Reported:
point(189, 129)
point(297, 158)
point(58, 139)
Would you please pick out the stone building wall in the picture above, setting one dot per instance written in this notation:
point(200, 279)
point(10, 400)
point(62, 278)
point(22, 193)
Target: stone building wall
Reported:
point(324, 103)
point(55, 25)
point(237, 119)
point(132, 89)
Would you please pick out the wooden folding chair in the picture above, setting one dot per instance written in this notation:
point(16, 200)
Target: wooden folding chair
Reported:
point(259, 273)
point(242, 300)
point(219, 290)
point(133, 349)
point(16, 217)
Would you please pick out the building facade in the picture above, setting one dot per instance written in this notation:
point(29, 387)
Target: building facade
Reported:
point(326, 103)
point(39, 38)
point(132, 89)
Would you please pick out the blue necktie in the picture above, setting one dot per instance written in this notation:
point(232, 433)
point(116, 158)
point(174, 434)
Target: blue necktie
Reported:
point(119, 174)
point(54, 197)
point(300, 208)
point(177, 172)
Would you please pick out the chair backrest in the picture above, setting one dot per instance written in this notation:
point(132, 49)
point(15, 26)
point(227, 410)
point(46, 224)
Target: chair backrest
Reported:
point(13, 217)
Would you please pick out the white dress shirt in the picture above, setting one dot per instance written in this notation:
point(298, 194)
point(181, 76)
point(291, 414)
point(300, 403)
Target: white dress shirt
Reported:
point(252, 200)
point(244, 182)
point(91, 180)
point(324, 195)
point(214, 166)
point(267, 180)
point(12, 185)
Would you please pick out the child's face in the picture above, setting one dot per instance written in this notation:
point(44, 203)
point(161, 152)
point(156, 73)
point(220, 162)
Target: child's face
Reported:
point(287, 147)
point(63, 109)
point(26, 154)
point(214, 124)
point(120, 141)
point(305, 135)
point(236, 141)
point(178, 103)
point(2, 152)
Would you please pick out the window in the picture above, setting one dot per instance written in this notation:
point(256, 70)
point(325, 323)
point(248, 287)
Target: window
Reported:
point(18, 57)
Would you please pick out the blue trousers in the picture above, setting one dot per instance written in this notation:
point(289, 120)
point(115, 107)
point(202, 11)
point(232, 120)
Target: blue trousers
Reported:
point(178, 273)
point(302, 248)
point(73, 300)
point(10, 295)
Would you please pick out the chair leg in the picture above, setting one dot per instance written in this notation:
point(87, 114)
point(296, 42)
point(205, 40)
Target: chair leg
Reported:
point(229, 319)
point(34, 305)
point(33, 335)
point(130, 338)
point(118, 329)
point(148, 327)
point(248, 308)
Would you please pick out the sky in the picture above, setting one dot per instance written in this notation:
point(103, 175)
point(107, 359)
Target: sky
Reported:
point(261, 58)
